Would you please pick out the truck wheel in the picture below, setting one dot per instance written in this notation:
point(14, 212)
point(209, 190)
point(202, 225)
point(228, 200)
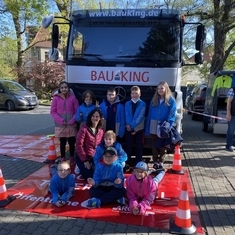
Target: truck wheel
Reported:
point(205, 127)
point(10, 105)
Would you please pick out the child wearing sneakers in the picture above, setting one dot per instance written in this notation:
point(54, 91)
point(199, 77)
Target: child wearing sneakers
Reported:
point(108, 181)
point(142, 188)
point(63, 109)
point(62, 184)
point(110, 141)
point(134, 117)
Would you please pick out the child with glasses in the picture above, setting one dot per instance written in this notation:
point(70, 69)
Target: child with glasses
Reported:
point(62, 185)
point(108, 181)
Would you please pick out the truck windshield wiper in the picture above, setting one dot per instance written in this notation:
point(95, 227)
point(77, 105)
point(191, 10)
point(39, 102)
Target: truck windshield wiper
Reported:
point(97, 56)
point(140, 58)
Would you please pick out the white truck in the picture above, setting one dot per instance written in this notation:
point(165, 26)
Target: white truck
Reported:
point(125, 47)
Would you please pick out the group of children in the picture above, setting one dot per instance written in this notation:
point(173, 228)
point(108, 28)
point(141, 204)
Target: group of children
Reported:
point(107, 184)
point(99, 157)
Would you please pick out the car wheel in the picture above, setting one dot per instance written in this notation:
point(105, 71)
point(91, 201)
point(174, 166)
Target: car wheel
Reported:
point(10, 105)
point(205, 127)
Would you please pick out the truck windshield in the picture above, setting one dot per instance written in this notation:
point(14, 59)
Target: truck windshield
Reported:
point(125, 41)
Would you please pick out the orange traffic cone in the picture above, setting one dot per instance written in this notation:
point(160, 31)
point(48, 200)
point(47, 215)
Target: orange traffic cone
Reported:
point(176, 165)
point(182, 223)
point(51, 153)
point(4, 197)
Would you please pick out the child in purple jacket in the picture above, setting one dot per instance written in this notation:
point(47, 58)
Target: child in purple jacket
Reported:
point(142, 188)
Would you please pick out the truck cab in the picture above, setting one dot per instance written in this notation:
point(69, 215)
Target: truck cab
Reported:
point(125, 47)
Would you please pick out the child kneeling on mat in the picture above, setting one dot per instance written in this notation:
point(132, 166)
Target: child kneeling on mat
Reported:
point(142, 188)
point(108, 181)
point(62, 185)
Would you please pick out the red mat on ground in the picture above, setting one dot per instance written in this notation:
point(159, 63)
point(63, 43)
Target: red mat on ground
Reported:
point(30, 147)
point(32, 196)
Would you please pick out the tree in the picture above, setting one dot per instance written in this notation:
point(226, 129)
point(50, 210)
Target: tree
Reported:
point(8, 56)
point(223, 24)
point(22, 13)
point(219, 18)
point(44, 76)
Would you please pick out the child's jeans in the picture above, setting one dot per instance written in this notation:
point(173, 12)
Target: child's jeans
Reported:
point(159, 177)
point(107, 194)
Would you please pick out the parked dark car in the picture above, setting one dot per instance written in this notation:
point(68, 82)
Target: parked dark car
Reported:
point(195, 101)
point(14, 96)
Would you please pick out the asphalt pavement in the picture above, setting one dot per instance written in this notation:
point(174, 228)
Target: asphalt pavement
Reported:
point(210, 166)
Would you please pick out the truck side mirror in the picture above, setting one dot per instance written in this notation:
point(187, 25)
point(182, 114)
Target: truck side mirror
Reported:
point(46, 21)
point(55, 36)
point(198, 58)
point(200, 37)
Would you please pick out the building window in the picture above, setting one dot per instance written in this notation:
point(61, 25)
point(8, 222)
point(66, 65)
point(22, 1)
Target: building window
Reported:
point(46, 55)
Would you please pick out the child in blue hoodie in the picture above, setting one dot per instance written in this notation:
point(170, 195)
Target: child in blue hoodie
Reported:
point(108, 181)
point(88, 103)
point(110, 141)
point(162, 108)
point(62, 185)
point(135, 115)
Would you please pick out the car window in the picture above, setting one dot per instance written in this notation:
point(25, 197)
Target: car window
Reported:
point(196, 90)
point(12, 86)
point(193, 91)
point(203, 93)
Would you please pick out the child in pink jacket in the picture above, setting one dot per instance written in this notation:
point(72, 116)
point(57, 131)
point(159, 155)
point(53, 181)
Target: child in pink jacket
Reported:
point(63, 110)
point(142, 188)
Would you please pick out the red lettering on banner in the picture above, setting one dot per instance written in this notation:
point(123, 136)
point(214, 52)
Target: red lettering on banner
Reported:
point(101, 76)
point(136, 76)
point(127, 76)
point(93, 75)
point(145, 79)
point(109, 79)
point(124, 76)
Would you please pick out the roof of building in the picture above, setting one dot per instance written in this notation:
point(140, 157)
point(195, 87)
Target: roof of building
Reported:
point(42, 38)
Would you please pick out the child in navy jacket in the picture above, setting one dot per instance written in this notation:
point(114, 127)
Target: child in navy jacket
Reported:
point(113, 113)
point(108, 181)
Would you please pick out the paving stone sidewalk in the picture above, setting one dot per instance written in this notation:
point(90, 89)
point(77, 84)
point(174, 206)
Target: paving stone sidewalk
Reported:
point(211, 169)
